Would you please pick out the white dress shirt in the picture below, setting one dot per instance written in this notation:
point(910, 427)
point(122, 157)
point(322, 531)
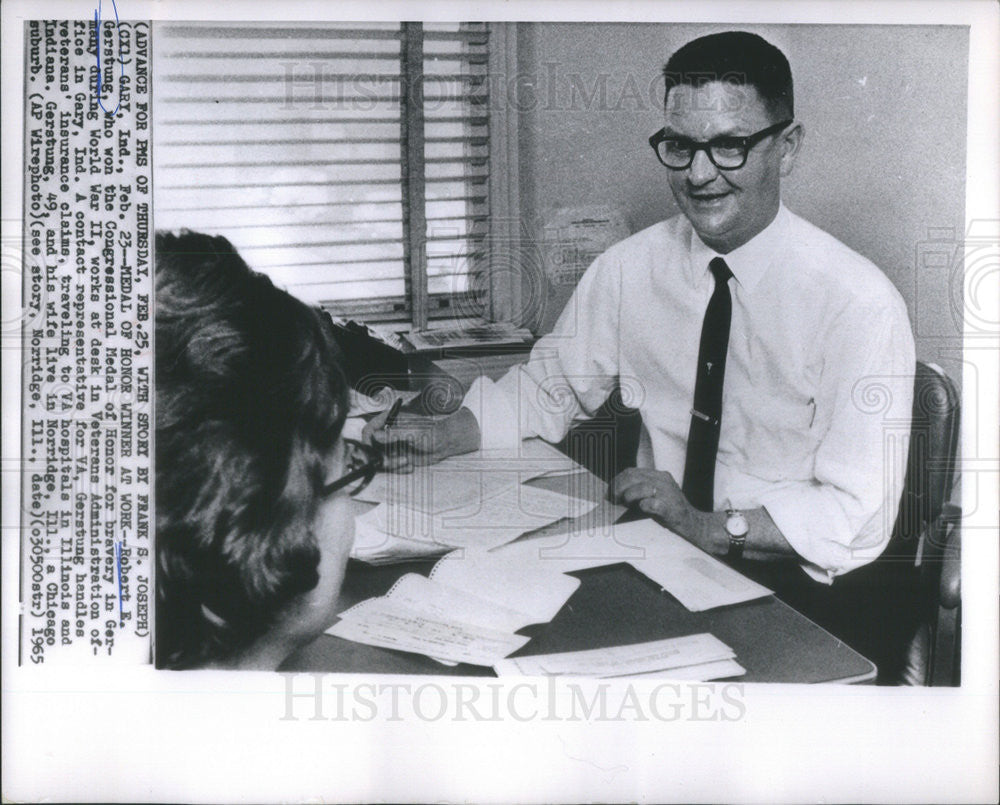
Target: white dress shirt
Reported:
point(818, 384)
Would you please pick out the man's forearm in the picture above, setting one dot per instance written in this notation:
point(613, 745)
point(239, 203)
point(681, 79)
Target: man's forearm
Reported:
point(764, 540)
point(658, 494)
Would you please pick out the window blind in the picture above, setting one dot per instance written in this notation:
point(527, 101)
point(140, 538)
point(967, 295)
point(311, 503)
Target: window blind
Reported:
point(348, 162)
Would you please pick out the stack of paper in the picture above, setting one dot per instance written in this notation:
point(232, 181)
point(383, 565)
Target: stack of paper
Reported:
point(476, 500)
point(466, 479)
point(532, 457)
point(695, 657)
point(450, 617)
point(433, 489)
point(490, 333)
point(376, 547)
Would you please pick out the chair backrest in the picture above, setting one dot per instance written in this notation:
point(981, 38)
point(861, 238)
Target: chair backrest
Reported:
point(930, 469)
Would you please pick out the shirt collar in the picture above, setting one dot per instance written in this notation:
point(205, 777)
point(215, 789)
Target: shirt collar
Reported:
point(751, 260)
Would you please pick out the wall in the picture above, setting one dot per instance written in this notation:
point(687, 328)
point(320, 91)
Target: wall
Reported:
point(883, 164)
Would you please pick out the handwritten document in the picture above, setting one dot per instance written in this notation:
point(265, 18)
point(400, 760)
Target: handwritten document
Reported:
point(431, 597)
point(617, 661)
point(465, 611)
point(390, 624)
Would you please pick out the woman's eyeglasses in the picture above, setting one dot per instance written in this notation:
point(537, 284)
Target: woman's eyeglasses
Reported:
point(363, 462)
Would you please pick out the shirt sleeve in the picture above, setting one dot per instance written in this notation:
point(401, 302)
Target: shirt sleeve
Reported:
point(844, 517)
point(570, 373)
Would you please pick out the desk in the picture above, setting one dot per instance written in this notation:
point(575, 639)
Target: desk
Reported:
point(614, 605)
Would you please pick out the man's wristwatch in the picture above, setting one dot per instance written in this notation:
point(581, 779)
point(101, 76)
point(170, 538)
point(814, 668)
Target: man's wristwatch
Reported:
point(737, 528)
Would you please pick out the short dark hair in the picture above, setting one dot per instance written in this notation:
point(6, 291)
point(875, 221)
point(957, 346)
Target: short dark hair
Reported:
point(735, 57)
point(250, 399)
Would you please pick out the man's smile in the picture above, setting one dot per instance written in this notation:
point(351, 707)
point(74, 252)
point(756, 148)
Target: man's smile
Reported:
point(707, 199)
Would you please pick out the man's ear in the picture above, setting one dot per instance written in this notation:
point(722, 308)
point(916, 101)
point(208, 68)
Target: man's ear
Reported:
point(791, 142)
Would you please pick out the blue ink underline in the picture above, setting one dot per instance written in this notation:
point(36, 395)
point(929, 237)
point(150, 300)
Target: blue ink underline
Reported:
point(97, 50)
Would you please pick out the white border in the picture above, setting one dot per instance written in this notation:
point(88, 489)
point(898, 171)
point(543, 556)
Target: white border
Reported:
point(136, 734)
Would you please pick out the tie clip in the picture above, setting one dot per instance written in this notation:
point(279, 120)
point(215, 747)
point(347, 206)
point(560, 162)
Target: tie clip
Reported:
point(704, 417)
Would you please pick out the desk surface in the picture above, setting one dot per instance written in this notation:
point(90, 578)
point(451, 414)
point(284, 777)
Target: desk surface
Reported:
point(614, 605)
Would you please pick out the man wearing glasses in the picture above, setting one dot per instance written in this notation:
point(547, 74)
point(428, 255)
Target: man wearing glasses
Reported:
point(751, 339)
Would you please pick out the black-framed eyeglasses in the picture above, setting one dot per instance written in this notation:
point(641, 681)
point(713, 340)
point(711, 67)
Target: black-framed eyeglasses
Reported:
point(726, 153)
point(363, 462)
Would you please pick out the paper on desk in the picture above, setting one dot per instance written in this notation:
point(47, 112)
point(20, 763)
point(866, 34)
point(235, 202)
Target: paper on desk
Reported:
point(517, 510)
point(674, 652)
point(536, 594)
point(532, 457)
point(422, 596)
point(374, 546)
point(701, 582)
point(436, 488)
point(467, 479)
point(571, 551)
point(703, 672)
point(696, 579)
point(385, 623)
point(485, 524)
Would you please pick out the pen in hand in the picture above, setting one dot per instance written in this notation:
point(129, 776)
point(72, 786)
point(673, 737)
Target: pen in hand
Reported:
point(393, 413)
point(390, 420)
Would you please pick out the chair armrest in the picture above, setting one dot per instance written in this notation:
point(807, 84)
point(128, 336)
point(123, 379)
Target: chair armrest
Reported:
point(951, 567)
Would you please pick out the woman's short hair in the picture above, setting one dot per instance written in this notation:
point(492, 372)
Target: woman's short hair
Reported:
point(735, 57)
point(250, 399)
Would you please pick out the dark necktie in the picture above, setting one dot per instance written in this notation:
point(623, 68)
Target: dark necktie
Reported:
point(706, 415)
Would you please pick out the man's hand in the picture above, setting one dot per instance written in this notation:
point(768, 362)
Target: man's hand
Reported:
point(657, 494)
point(415, 440)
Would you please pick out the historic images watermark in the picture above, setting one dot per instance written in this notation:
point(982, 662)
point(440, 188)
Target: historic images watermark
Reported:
point(323, 697)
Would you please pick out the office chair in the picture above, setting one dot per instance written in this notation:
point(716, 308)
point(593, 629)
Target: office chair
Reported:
point(945, 663)
point(934, 654)
point(927, 531)
point(921, 563)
